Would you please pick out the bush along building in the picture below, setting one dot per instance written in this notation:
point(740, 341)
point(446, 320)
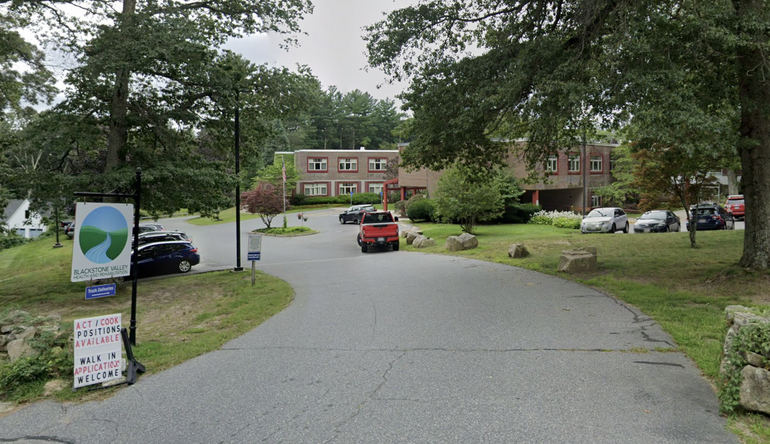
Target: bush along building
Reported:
point(331, 173)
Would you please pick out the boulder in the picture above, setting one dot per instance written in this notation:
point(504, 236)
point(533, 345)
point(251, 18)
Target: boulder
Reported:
point(469, 241)
point(423, 242)
point(411, 236)
point(405, 233)
point(517, 251)
point(755, 389)
point(18, 348)
point(453, 244)
point(576, 261)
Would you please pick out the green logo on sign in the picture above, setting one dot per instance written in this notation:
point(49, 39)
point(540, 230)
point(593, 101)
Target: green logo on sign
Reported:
point(104, 235)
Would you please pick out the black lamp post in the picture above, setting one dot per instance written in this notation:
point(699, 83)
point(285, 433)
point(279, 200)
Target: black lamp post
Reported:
point(238, 266)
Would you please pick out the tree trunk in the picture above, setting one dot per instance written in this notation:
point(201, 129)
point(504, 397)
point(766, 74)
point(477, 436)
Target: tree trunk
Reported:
point(732, 182)
point(118, 135)
point(754, 148)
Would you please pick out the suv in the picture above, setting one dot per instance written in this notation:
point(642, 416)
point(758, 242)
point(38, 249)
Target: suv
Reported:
point(354, 213)
point(711, 216)
point(736, 206)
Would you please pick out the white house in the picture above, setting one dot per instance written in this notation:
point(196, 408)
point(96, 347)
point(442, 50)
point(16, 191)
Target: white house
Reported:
point(18, 219)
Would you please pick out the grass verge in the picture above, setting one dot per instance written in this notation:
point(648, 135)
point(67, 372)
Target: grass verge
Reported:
point(178, 318)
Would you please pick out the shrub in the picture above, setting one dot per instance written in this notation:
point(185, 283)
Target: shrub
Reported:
point(421, 209)
point(11, 240)
point(567, 222)
point(365, 198)
point(297, 199)
point(560, 219)
point(519, 213)
point(401, 208)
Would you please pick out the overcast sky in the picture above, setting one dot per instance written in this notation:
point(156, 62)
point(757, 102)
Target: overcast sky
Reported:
point(333, 49)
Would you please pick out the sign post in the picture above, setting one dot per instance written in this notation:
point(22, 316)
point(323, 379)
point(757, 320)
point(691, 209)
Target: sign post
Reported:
point(254, 254)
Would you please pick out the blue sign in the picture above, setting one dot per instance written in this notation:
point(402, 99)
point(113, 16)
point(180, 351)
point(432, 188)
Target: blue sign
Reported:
point(100, 291)
point(254, 256)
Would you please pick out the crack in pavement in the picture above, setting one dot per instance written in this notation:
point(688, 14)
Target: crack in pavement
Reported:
point(41, 438)
point(370, 396)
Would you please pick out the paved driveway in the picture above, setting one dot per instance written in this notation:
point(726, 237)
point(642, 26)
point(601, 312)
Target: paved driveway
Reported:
point(398, 347)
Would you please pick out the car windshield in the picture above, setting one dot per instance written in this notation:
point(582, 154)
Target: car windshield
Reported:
point(735, 201)
point(655, 215)
point(706, 211)
point(601, 213)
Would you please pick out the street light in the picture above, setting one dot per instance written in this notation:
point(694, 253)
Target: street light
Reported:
point(238, 266)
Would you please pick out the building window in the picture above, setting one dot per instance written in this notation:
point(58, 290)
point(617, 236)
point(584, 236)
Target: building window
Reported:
point(348, 164)
point(573, 163)
point(316, 189)
point(375, 188)
point(596, 163)
point(316, 164)
point(378, 164)
point(347, 188)
point(552, 164)
point(596, 201)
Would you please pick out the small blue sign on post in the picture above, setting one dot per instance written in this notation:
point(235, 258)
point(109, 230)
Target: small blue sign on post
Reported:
point(100, 291)
point(254, 256)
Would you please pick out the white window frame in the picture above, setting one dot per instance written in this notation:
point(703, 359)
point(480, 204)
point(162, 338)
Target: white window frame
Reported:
point(345, 188)
point(573, 163)
point(348, 164)
point(315, 189)
point(382, 162)
point(597, 163)
point(596, 201)
point(552, 164)
point(375, 188)
point(317, 164)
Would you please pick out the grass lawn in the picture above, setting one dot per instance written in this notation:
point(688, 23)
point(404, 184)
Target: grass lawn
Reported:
point(685, 290)
point(178, 318)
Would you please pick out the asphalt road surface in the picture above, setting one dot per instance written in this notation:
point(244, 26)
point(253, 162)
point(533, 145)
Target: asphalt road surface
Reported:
point(403, 347)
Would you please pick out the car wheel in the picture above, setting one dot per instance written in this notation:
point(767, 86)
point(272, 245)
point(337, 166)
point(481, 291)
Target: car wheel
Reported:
point(613, 229)
point(342, 221)
point(625, 229)
point(396, 244)
point(364, 247)
point(668, 228)
point(358, 239)
point(184, 266)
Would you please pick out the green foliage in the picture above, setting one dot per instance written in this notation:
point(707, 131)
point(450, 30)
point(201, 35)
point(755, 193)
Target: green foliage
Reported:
point(519, 213)
point(421, 210)
point(753, 338)
point(54, 361)
point(358, 199)
point(469, 198)
point(11, 240)
point(297, 199)
point(566, 222)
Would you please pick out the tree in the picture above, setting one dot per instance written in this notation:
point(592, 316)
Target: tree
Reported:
point(535, 69)
point(624, 186)
point(266, 200)
point(467, 198)
point(25, 78)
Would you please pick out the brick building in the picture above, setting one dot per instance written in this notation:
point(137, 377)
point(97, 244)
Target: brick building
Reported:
point(340, 172)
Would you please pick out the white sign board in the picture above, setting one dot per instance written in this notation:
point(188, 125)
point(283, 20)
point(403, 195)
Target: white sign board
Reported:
point(102, 247)
point(98, 351)
point(255, 247)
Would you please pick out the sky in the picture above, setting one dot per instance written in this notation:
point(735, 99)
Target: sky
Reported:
point(333, 49)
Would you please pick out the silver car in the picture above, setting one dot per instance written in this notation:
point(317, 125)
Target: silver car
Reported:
point(605, 220)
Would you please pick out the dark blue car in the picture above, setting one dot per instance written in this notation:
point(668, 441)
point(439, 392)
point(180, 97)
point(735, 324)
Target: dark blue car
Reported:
point(711, 217)
point(167, 257)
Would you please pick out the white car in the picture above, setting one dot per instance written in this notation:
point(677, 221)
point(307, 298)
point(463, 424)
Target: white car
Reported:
point(605, 220)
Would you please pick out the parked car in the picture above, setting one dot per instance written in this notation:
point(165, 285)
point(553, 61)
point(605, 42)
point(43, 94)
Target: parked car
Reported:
point(167, 257)
point(146, 227)
point(736, 206)
point(69, 230)
point(161, 236)
point(711, 216)
point(605, 220)
point(657, 221)
point(353, 214)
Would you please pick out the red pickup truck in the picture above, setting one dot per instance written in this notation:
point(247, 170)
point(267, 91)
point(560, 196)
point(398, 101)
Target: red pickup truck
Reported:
point(378, 228)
